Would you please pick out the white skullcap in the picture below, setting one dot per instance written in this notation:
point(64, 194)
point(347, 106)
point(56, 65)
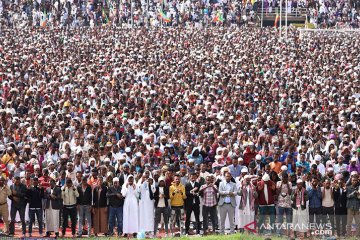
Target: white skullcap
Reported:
point(266, 177)
point(258, 157)
point(115, 179)
point(317, 157)
point(284, 168)
point(244, 170)
point(299, 181)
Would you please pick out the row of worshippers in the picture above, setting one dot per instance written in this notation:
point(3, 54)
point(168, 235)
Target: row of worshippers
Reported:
point(137, 205)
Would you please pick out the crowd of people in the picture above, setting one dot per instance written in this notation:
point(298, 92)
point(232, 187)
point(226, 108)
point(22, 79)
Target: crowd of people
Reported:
point(154, 13)
point(197, 131)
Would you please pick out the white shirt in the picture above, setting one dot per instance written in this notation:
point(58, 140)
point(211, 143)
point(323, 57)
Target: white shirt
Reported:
point(327, 200)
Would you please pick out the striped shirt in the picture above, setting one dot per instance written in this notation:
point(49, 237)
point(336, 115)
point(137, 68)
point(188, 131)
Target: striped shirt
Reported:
point(209, 195)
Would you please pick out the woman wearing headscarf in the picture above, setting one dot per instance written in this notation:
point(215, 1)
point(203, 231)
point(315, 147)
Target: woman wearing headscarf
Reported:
point(146, 189)
point(131, 206)
point(99, 208)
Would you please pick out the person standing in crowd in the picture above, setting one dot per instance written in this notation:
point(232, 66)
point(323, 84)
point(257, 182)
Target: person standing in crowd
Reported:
point(266, 190)
point(69, 195)
point(84, 206)
point(227, 203)
point(284, 191)
point(116, 202)
point(235, 168)
point(192, 203)
point(131, 207)
point(177, 197)
point(300, 216)
point(161, 197)
point(5, 192)
point(18, 204)
point(339, 193)
point(315, 201)
point(35, 195)
point(327, 197)
point(209, 191)
point(53, 204)
point(99, 208)
point(146, 189)
point(248, 196)
point(353, 206)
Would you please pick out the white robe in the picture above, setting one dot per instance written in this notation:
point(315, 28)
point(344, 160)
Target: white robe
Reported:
point(130, 210)
point(52, 218)
point(247, 215)
point(146, 207)
point(238, 200)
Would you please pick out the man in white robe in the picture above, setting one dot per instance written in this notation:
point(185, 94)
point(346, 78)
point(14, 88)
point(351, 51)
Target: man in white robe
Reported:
point(53, 203)
point(131, 207)
point(146, 204)
point(239, 181)
point(248, 195)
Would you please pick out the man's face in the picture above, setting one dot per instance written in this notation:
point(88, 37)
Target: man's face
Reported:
point(228, 177)
point(35, 182)
point(131, 181)
point(177, 179)
point(235, 162)
point(79, 176)
point(193, 178)
point(354, 181)
point(2, 181)
point(314, 182)
point(17, 181)
point(83, 181)
point(327, 184)
point(116, 183)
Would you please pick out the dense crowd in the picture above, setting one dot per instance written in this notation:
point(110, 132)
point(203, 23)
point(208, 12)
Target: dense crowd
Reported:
point(136, 13)
point(129, 131)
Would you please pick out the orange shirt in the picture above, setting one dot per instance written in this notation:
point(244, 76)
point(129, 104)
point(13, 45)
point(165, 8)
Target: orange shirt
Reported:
point(275, 166)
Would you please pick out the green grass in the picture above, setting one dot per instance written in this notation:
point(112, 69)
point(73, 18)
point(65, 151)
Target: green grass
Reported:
point(217, 237)
point(211, 237)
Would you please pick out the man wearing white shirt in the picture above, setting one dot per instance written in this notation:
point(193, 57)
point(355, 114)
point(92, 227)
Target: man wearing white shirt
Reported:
point(327, 203)
point(340, 166)
point(320, 166)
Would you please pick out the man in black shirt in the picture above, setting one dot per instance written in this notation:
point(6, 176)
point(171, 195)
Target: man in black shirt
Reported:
point(18, 204)
point(116, 202)
point(84, 205)
point(35, 194)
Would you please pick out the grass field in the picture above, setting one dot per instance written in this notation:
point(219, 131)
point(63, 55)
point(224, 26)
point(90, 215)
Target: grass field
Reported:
point(211, 237)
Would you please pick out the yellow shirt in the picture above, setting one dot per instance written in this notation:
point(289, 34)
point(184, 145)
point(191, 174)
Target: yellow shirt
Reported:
point(7, 159)
point(177, 195)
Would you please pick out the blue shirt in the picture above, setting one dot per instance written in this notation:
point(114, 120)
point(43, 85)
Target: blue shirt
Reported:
point(305, 165)
point(235, 171)
point(315, 197)
point(285, 154)
point(227, 199)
